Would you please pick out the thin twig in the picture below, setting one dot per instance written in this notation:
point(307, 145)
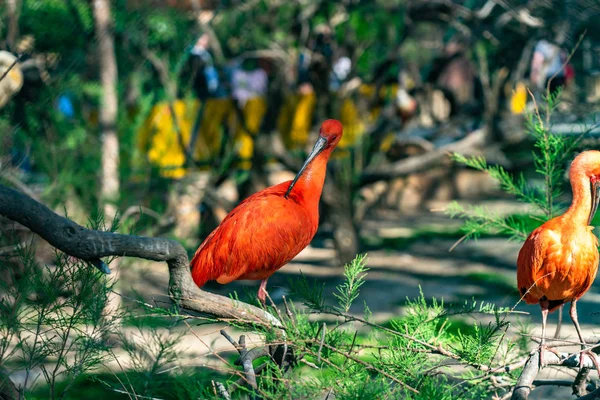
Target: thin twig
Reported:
point(222, 390)
point(562, 67)
point(371, 367)
point(240, 382)
point(289, 314)
point(11, 66)
point(351, 345)
point(322, 342)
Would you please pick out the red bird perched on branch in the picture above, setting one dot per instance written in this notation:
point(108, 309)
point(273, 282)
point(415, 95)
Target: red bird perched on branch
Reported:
point(559, 260)
point(269, 228)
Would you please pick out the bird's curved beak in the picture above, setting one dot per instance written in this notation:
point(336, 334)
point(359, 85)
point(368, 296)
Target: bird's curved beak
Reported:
point(316, 150)
point(595, 187)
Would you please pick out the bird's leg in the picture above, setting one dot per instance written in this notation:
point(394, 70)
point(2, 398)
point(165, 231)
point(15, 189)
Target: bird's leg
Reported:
point(262, 292)
point(544, 305)
point(573, 314)
point(559, 324)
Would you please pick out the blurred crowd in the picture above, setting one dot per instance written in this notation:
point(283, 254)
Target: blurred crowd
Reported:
point(257, 92)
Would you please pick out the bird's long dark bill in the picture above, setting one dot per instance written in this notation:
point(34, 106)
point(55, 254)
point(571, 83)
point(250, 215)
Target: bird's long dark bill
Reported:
point(595, 199)
point(316, 150)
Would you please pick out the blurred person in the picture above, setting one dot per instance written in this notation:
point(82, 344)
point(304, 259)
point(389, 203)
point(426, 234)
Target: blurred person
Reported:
point(320, 69)
point(547, 61)
point(248, 81)
point(303, 75)
point(205, 82)
point(455, 74)
point(340, 71)
point(249, 85)
point(200, 69)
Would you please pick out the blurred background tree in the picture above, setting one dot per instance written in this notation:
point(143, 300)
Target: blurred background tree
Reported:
point(404, 77)
point(200, 103)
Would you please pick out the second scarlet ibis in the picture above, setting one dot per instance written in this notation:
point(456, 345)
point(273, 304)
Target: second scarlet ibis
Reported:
point(559, 260)
point(269, 228)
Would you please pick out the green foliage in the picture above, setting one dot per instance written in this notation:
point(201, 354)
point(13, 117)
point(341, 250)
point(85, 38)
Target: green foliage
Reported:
point(348, 291)
point(551, 152)
point(479, 345)
point(478, 220)
point(310, 292)
point(516, 186)
point(388, 361)
point(54, 318)
point(349, 357)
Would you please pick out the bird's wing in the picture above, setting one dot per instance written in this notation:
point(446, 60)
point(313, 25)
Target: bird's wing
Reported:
point(531, 262)
point(259, 236)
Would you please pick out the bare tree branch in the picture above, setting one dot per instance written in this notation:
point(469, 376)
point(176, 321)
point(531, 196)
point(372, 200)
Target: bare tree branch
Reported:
point(246, 358)
point(580, 383)
point(471, 144)
point(91, 245)
point(222, 390)
point(595, 395)
point(532, 368)
point(8, 390)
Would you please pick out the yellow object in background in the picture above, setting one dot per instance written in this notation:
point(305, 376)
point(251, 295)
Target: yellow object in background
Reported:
point(518, 100)
point(354, 127)
point(295, 120)
point(158, 136)
point(254, 111)
point(302, 120)
point(210, 136)
point(385, 91)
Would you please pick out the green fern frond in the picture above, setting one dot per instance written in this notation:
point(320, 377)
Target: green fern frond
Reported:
point(348, 291)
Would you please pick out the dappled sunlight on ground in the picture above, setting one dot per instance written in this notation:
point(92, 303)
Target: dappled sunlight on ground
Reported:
point(484, 269)
point(406, 255)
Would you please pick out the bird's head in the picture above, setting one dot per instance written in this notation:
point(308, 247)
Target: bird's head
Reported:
point(329, 136)
point(587, 164)
point(331, 131)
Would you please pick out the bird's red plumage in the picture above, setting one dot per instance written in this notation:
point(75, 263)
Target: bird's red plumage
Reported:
point(268, 229)
point(559, 260)
point(260, 235)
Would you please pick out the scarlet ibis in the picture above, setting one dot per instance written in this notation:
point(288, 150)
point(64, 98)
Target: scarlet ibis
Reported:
point(559, 260)
point(269, 228)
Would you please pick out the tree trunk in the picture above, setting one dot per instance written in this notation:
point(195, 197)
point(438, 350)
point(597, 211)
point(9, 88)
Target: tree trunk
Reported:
point(14, 11)
point(109, 191)
point(338, 210)
point(109, 181)
point(185, 196)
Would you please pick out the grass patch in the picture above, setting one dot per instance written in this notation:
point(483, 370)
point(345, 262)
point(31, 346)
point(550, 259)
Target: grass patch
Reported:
point(150, 321)
point(187, 385)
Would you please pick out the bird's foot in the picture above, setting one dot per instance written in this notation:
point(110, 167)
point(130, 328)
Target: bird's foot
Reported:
point(262, 297)
point(542, 349)
point(593, 357)
point(262, 293)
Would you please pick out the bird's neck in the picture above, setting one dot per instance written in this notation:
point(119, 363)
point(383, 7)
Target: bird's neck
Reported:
point(310, 184)
point(581, 206)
